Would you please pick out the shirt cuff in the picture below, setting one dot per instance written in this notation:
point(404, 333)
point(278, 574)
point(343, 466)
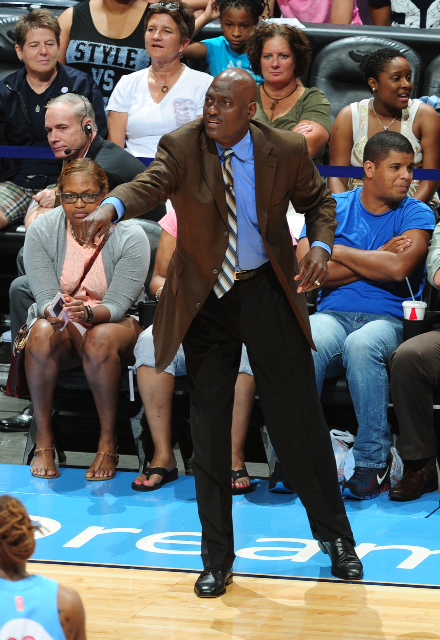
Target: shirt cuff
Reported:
point(118, 205)
point(323, 245)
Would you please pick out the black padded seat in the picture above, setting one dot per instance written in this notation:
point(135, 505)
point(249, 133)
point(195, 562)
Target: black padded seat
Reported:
point(431, 84)
point(337, 71)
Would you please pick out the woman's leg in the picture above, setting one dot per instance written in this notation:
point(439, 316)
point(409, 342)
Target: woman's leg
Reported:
point(156, 390)
point(106, 349)
point(241, 414)
point(47, 349)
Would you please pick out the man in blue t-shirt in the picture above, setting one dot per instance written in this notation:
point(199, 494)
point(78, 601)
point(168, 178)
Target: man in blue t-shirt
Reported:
point(382, 237)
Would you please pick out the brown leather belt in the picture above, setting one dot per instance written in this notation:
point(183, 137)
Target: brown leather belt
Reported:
point(247, 275)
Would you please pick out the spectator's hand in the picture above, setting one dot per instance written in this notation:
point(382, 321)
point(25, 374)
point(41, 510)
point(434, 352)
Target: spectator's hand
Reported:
point(313, 270)
point(98, 223)
point(75, 309)
point(396, 245)
point(212, 11)
point(303, 128)
point(45, 198)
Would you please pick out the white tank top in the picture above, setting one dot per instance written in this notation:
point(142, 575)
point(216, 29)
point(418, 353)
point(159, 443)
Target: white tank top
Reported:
point(359, 116)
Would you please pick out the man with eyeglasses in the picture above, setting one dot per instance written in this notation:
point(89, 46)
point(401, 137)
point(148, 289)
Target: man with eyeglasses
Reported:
point(230, 181)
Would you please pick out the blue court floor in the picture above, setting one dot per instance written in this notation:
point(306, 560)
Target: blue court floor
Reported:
point(108, 524)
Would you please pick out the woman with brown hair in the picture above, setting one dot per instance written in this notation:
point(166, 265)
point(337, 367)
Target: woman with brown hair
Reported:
point(282, 55)
point(31, 605)
point(94, 329)
point(149, 103)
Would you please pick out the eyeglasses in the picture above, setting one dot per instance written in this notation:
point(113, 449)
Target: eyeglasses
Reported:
point(87, 198)
point(168, 6)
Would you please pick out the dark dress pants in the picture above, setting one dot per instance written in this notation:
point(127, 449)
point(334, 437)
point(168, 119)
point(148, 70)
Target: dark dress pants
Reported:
point(415, 373)
point(256, 312)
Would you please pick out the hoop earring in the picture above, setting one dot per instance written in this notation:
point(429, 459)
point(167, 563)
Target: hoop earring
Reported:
point(181, 55)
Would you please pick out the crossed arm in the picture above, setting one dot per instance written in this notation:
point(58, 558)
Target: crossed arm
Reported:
point(391, 263)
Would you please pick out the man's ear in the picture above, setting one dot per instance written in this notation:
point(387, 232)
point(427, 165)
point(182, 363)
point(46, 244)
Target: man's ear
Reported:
point(252, 109)
point(18, 52)
point(369, 168)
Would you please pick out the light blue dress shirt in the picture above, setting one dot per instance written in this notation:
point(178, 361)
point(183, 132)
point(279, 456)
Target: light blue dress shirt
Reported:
point(251, 252)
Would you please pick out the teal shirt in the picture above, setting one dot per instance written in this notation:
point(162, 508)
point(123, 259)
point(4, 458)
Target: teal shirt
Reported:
point(221, 57)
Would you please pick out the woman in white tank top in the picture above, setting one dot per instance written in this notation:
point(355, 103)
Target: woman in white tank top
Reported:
point(389, 77)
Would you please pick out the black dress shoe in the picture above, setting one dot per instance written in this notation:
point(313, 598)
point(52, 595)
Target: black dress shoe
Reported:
point(212, 583)
point(415, 483)
point(18, 422)
point(345, 563)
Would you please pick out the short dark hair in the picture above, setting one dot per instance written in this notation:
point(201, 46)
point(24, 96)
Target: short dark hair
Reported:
point(255, 7)
point(379, 146)
point(38, 19)
point(183, 16)
point(375, 62)
point(296, 39)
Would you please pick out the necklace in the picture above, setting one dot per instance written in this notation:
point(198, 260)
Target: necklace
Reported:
point(49, 84)
point(385, 128)
point(75, 237)
point(165, 88)
point(277, 100)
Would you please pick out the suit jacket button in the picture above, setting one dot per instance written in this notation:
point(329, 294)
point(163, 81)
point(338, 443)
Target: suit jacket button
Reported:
point(225, 233)
point(215, 271)
point(197, 305)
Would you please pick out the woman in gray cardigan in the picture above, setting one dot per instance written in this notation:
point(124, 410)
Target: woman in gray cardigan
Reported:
point(93, 329)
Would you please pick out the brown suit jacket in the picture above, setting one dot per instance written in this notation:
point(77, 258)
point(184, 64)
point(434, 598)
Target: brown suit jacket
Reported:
point(187, 170)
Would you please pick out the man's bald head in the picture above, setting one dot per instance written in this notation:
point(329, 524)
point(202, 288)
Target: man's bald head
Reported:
point(230, 104)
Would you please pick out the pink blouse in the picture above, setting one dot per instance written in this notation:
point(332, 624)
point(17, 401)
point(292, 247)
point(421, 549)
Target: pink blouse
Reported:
point(317, 11)
point(94, 286)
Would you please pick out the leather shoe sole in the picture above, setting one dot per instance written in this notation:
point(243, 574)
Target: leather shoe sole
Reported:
point(413, 485)
point(212, 583)
point(345, 563)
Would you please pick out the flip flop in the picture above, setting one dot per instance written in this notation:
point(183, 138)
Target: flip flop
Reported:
point(43, 450)
point(167, 476)
point(240, 491)
point(103, 454)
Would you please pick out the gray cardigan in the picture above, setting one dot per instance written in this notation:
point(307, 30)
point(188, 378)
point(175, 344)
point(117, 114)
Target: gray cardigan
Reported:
point(125, 256)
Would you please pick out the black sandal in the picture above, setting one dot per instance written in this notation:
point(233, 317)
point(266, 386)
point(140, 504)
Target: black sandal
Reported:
point(240, 491)
point(167, 476)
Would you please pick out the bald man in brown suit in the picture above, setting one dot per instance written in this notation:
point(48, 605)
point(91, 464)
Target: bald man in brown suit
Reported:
point(263, 309)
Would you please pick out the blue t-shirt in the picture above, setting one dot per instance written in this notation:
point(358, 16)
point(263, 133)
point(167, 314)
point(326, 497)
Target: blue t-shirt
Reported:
point(221, 57)
point(29, 609)
point(360, 229)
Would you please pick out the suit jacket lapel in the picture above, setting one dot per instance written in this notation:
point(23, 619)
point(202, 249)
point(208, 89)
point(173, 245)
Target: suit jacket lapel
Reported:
point(212, 174)
point(265, 170)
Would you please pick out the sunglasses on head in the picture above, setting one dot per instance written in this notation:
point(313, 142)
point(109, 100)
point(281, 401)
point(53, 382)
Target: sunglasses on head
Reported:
point(168, 6)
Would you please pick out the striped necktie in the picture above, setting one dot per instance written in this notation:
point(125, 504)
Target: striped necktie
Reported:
point(226, 275)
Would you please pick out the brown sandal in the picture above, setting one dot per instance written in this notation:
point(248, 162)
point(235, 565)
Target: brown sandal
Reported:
point(103, 454)
point(43, 450)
